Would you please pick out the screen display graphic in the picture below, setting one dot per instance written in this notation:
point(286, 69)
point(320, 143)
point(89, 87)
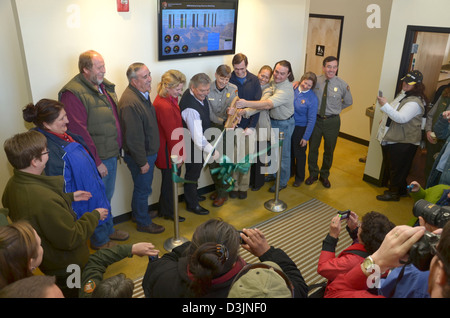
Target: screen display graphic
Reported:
point(197, 28)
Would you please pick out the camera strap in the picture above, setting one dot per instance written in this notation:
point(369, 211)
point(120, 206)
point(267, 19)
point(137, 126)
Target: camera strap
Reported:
point(399, 277)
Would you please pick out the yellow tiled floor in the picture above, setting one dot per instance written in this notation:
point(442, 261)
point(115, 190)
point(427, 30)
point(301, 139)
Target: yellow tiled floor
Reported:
point(348, 191)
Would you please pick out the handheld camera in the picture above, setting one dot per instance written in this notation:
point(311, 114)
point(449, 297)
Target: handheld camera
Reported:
point(344, 214)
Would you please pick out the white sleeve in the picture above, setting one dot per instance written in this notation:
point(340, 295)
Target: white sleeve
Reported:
point(194, 125)
point(405, 114)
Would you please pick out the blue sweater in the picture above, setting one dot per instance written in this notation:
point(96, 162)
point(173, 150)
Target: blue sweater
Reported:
point(305, 111)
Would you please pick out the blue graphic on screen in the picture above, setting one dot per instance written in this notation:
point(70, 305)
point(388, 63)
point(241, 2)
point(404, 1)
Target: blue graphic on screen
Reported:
point(196, 31)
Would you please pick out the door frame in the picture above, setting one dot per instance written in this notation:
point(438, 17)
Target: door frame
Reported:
point(335, 17)
point(410, 38)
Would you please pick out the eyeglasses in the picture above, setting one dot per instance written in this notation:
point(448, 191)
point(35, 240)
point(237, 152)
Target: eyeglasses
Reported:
point(249, 267)
point(434, 251)
point(46, 152)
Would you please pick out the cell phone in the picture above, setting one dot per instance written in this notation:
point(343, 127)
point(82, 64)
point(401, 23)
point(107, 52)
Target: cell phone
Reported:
point(344, 214)
point(380, 93)
point(241, 241)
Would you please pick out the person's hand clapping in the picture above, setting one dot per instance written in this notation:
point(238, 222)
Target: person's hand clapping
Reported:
point(81, 195)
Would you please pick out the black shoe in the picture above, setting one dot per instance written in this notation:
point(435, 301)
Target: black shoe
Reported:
point(198, 210)
point(325, 182)
point(310, 180)
point(180, 218)
point(272, 188)
point(297, 183)
point(269, 178)
point(256, 188)
point(388, 196)
point(201, 198)
point(242, 195)
point(233, 194)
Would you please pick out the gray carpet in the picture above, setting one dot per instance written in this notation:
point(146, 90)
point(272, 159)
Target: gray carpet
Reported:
point(299, 232)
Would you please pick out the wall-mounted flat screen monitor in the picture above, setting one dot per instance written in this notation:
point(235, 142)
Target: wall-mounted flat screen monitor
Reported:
point(195, 28)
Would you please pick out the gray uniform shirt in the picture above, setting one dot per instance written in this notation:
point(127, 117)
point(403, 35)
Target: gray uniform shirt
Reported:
point(219, 101)
point(282, 98)
point(339, 95)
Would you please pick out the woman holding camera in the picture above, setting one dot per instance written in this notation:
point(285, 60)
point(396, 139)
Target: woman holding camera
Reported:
point(207, 265)
point(400, 133)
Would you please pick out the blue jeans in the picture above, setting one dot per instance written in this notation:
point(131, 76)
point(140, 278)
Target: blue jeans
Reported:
point(102, 232)
point(287, 127)
point(110, 179)
point(142, 189)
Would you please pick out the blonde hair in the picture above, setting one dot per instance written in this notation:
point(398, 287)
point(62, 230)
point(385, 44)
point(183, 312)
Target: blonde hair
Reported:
point(170, 79)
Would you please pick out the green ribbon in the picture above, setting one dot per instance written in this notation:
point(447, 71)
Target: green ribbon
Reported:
point(227, 167)
point(176, 178)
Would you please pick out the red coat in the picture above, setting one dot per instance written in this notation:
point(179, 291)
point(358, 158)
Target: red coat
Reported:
point(331, 266)
point(352, 284)
point(169, 118)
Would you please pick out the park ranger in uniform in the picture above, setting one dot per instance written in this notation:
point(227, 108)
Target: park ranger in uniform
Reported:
point(334, 95)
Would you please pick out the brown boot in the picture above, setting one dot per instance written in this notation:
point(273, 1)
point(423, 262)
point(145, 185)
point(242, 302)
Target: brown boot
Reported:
point(119, 235)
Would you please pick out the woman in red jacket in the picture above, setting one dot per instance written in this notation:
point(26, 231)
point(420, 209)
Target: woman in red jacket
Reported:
point(367, 238)
point(169, 119)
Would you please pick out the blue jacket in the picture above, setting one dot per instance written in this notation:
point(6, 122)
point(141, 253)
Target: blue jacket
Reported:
point(305, 111)
point(73, 161)
point(250, 89)
point(413, 284)
point(442, 130)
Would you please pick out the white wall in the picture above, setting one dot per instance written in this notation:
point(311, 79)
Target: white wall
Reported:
point(53, 39)
point(404, 13)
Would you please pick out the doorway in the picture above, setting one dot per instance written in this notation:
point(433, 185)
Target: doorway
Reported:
point(324, 39)
point(426, 49)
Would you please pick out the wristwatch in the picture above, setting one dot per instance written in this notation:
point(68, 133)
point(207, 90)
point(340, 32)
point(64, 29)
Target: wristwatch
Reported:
point(368, 265)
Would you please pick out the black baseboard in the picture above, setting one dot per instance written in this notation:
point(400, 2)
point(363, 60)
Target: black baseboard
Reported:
point(354, 139)
point(372, 180)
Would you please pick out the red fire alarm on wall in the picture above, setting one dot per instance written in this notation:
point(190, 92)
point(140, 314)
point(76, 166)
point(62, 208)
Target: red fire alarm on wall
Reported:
point(123, 6)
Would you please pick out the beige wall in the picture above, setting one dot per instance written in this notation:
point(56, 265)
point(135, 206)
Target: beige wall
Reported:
point(403, 13)
point(361, 56)
point(52, 40)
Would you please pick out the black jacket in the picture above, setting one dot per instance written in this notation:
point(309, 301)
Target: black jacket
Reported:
point(167, 277)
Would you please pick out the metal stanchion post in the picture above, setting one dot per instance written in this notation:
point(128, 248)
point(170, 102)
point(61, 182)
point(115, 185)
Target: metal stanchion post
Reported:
point(176, 240)
point(276, 205)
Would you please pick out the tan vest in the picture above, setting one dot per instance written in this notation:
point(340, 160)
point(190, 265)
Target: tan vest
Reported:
point(410, 132)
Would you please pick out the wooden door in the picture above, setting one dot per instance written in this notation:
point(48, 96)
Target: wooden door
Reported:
point(324, 39)
point(430, 48)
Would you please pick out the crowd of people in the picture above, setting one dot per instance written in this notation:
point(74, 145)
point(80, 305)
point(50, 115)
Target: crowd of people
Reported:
point(59, 196)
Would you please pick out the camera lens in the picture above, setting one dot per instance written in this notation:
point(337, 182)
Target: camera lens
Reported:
point(432, 214)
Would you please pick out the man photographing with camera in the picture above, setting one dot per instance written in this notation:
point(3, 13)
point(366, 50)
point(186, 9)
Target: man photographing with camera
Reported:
point(395, 250)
